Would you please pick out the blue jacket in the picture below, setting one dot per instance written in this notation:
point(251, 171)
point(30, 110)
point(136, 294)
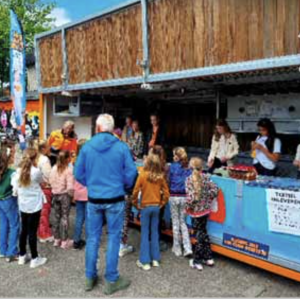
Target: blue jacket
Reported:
point(105, 166)
point(177, 177)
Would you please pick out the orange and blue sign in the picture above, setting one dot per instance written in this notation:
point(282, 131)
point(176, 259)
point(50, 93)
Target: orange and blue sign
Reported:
point(245, 245)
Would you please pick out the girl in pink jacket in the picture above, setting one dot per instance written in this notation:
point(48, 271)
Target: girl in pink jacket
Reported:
point(80, 197)
point(62, 184)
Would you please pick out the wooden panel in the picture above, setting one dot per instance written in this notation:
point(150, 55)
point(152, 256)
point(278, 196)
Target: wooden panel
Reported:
point(51, 61)
point(203, 33)
point(183, 34)
point(106, 48)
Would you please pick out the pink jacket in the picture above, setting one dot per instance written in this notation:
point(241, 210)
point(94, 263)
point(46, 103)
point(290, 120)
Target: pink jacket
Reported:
point(61, 183)
point(80, 192)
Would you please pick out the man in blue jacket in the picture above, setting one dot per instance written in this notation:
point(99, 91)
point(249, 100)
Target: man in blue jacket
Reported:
point(105, 166)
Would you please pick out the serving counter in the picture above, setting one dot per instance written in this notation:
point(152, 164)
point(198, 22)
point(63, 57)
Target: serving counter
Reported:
point(254, 222)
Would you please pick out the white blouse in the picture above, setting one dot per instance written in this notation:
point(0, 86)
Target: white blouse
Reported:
point(30, 198)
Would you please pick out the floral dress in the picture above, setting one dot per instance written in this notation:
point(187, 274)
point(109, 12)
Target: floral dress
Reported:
point(136, 144)
point(198, 206)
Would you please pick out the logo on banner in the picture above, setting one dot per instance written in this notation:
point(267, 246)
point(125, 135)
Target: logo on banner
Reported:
point(17, 69)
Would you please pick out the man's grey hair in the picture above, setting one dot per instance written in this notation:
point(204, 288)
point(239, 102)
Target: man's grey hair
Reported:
point(106, 123)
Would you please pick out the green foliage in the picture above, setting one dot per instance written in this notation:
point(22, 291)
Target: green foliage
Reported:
point(34, 16)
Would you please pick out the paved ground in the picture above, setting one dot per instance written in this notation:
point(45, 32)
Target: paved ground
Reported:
point(63, 276)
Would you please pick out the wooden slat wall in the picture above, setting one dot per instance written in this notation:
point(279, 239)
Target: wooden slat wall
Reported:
point(188, 34)
point(183, 34)
point(51, 61)
point(106, 48)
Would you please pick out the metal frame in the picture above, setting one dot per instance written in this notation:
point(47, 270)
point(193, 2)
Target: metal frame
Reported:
point(65, 76)
point(146, 63)
point(269, 63)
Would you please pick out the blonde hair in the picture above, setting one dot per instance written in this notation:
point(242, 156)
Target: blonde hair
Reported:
point(68, 124)
point(159, 150)
point(153, 166)
point(182, 156)
point(196, 165)
point(63, 160)
point(42, 145)
point(28, 160)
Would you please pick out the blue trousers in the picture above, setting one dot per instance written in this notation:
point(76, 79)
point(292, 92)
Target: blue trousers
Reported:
point(149, 226)
point(114, 215)
point(80, 219)
point(9, 226)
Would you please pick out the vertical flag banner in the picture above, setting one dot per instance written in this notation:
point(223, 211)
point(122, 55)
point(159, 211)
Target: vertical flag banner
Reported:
point(17, 68)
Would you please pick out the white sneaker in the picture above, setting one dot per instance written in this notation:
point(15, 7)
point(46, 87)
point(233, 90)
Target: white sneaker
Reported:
point(155, 264)
point(178, 253)
point(198, 267)
point(23, 260)
point(125, 249)
point(37, 262)
point(47, 240)
point(210, 262)
point(188, 253)
point(145, 267)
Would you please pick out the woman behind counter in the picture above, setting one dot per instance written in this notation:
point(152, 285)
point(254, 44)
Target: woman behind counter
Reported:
point(266, 148)
point(224, 147)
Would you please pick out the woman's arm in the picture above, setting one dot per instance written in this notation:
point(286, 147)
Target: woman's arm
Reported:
point(272, 156)
point(213, 149)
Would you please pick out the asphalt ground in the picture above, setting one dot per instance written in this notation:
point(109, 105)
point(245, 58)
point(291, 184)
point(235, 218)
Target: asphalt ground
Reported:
point(63, 277)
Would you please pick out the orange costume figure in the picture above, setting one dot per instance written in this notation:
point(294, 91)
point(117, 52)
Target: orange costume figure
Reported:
point(63, 140)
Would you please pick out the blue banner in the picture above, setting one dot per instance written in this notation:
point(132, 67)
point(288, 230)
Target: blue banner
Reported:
point(17, 68)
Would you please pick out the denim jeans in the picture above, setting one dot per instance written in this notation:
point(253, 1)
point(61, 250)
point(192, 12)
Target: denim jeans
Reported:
point(149, 223)
point(114, 215)
point(9, 226)
point(80, 219)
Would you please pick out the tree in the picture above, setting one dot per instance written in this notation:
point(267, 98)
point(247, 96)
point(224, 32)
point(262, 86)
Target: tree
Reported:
point(34, 16)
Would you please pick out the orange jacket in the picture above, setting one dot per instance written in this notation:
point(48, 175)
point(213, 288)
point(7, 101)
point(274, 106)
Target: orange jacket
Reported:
point(153, 193)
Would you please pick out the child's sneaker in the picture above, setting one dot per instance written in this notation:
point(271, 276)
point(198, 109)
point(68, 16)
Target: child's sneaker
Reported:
point(37, 262)
point(47, 240)
point(78, 245)
point(125, 249)
point(210, 262)
point(155, 264)
point(145, 267)
point(188, 254)
point(23, 260)
point(66, 245)
point(198, 267)
point(177, 252)
point(12, 259)
point(57, 243)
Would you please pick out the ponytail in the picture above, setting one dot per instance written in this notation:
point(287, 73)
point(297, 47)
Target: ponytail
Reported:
point(196, 165)
point(27, 162)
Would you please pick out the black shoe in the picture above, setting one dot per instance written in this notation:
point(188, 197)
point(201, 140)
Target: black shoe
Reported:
point(77, 246)
point(82, 243)
point(163, 246)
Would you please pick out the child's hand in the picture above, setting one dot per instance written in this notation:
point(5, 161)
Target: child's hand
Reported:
point(296, 163)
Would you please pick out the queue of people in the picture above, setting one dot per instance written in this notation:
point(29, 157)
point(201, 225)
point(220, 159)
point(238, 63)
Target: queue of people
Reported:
point(101, 177)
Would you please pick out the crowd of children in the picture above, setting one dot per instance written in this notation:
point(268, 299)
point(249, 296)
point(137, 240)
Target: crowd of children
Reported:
point(29, 193)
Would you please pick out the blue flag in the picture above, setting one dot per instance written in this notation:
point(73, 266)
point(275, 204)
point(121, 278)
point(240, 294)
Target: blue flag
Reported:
point(17, 68)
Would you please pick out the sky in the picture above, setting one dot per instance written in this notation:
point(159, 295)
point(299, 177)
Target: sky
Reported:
point(72, 10)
